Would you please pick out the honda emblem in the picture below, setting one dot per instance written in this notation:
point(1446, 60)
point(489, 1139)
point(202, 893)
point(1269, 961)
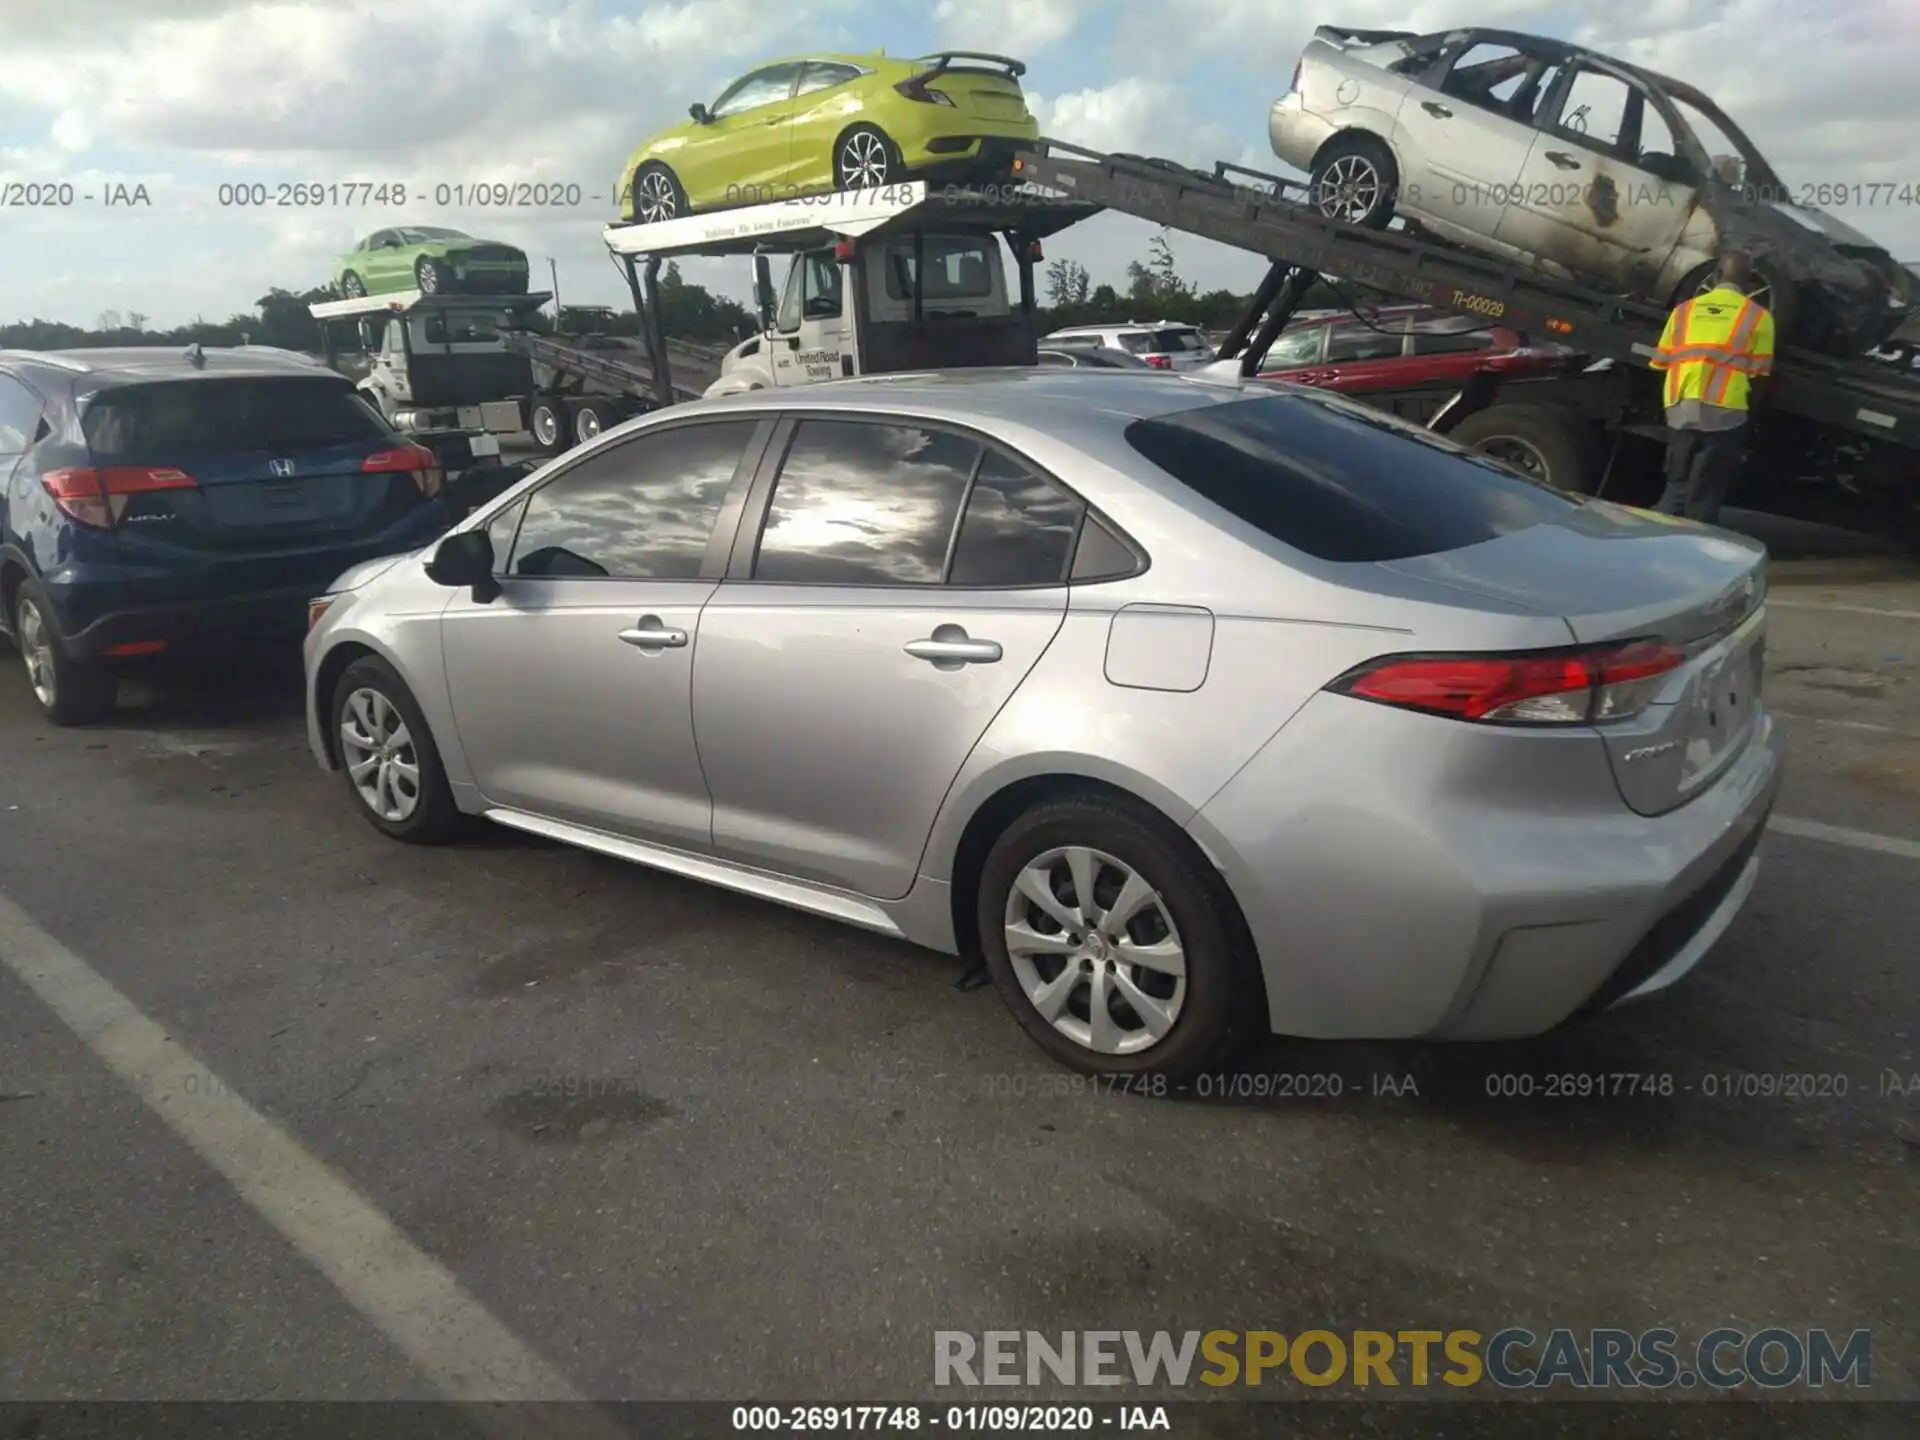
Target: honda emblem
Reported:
point(281, 468)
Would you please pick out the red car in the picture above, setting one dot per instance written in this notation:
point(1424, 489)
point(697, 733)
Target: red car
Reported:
point(1398, 347)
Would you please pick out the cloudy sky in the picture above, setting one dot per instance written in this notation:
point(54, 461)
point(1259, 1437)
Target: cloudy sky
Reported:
point(181, 96)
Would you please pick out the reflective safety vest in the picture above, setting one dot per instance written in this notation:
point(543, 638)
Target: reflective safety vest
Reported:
point(1711, 345)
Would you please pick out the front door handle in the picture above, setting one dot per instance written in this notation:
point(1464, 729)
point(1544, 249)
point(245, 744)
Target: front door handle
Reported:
point(950, 647)
point(650, 634)
point(1563, 160)
point(1434, 108)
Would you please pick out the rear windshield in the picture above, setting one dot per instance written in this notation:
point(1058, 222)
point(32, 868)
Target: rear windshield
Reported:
point(1162, 342)
point(955, 268)
point(1342, 482)
point(173, 419)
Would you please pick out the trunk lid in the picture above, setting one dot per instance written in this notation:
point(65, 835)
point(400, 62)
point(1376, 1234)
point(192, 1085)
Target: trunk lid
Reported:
point(1617, 574)
point(982, 92)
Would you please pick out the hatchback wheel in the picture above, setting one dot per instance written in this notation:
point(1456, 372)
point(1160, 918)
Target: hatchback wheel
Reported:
point(71, 691)
point(388, 756)
point(1105, 935)
point(865, 159)
point(657, 194)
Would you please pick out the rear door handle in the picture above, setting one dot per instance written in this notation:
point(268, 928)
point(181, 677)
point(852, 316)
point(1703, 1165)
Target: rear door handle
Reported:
point(1434, 108)
point(1563, 160)
point(950, 647)
point(650, 634)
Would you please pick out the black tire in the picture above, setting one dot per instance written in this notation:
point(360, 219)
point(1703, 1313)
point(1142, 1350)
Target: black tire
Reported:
point(433, 819)
point(69, 690)
point(1547, 444)
point(1355, 179)
point(1221, 1007)
point(590, 417)
point(428, 277)
point(865, 157)
point(352, 286)
point(550, 425)
point(657, 194)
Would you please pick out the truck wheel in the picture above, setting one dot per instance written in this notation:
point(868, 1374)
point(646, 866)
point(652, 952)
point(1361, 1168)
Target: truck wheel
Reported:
point(1542, 443)
point(352, 287)
point(1354, 179)
point(590, 417)
point(548, 423)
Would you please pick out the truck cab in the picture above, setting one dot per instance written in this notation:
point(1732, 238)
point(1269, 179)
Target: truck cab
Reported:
point(921, 298)
point(429, 359)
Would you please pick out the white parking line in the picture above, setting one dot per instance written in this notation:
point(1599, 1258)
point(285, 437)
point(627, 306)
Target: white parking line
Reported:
point(414, 1301)
point(1843, 835)
point(1779, 604)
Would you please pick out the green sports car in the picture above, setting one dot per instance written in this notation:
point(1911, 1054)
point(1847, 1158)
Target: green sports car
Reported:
point(432, 260)
point(834, 122)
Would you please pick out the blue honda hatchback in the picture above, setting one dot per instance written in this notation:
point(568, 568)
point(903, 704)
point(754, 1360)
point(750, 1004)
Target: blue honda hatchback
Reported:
point(158, 501)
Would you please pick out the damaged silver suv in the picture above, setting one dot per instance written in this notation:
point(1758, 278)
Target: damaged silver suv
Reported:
point(1549, 154)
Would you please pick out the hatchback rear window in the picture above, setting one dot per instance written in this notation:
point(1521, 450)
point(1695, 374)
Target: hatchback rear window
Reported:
point(173, 419)
point(1342, 482)
point(1162, 342)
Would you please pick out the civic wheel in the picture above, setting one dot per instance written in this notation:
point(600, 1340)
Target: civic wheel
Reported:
point(1105, 934)
point(388, 756)
point(352, 286)
point(71, 691)
point(865, 159)
point(657, 194)
point(1354, 180)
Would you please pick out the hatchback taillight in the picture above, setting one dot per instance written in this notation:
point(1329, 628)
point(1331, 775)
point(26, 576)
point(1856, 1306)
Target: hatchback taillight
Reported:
point(916, 89)
point(417, 460)
point(1562, 687)
point(97, 497)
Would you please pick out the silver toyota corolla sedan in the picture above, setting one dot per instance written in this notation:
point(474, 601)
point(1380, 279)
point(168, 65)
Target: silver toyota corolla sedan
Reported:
point(1199, 710)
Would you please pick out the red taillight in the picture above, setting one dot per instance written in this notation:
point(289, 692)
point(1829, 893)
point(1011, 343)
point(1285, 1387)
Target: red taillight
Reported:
point(1159, 362)
point(418, 459)
point(1560, 688)
point(916, 89)
point(98, 496)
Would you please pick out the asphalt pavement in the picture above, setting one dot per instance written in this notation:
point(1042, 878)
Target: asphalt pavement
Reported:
point(671, 1143)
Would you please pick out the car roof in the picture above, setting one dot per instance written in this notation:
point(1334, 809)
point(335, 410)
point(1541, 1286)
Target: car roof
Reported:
point(98, 367)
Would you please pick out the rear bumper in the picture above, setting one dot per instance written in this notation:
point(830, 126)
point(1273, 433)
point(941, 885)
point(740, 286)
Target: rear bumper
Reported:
point(1296, 134)
point(1437, 881)
point(965, 156)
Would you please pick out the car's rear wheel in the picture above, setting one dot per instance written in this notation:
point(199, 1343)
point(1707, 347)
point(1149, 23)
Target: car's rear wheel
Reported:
point(426, 276)
point(657, 194)
point(548, 423)
point(1108, 938)
point(865, 158)
point(590, 417)
point(1355, 180)
point(1542, 443)
point(71, 691)
point(352, 286)
point(387, 754)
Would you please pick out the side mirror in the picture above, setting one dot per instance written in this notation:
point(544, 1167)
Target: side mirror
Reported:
point(466, 559)
point(699, 113)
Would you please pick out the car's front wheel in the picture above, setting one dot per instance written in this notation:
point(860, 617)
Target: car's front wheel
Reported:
point(1108, 938)
point(387, 754)
point(865, 159)
point(1355, 179)
point(70, 690)
point(657, 194)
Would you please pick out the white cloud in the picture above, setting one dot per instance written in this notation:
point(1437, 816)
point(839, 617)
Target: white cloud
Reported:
point(1007, 27)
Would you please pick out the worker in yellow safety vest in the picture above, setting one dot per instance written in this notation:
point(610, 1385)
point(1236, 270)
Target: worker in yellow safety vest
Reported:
point(1715, 347)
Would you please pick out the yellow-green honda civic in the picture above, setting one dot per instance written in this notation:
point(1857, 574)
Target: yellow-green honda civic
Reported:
point(834, 122)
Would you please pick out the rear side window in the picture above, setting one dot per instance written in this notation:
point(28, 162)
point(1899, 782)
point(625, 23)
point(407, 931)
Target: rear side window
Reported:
point(1341, 482)
point(1018, 529)
point(1356, 342)
point(1451, 342)
point(1161, 342)
point(19, 416)
point(175, 419)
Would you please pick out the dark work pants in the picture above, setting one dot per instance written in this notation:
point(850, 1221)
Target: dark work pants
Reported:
point(1701, 468)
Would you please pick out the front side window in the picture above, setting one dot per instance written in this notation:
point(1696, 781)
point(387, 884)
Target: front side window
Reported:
point(864, 504)
point(1355, 342)
point(1295, 348)
point(762, 87)
point(823, 286)
point(642, 510)
point(1594, 114)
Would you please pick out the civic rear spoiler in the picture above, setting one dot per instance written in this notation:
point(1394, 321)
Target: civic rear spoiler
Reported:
point(943, 60)
point(1341, 35)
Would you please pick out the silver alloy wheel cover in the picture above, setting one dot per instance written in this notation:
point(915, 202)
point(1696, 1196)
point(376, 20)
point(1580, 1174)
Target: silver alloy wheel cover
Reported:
point(36, 648)
point(377, 750)
point(1101, 961)
point(656, 200)
point(1349, 190)
point(863, 160)
point(546, 424)
point(586, 425)
point(353, 287)
point(428, 275)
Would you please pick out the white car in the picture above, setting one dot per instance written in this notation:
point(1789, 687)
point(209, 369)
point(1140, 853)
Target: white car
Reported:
point(1163, 344)
point(1552, 155)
